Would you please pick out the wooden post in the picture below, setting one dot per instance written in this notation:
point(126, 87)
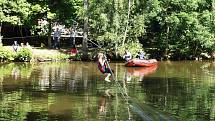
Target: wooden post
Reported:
point(49, 33)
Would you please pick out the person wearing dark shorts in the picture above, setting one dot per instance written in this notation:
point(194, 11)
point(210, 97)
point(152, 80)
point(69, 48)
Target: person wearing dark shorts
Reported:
point(103, 67)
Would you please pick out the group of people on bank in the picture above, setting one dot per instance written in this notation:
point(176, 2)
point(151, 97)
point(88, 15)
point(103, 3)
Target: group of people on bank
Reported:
point(57, 37)
point(16, 46)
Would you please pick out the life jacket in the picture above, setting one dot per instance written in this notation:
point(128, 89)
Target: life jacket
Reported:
point(102, 68)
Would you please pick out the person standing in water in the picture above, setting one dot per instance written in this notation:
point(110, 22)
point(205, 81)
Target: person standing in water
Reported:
point(103, 67)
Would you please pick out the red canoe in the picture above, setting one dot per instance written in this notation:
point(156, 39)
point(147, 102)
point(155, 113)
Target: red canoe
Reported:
point(141, 63)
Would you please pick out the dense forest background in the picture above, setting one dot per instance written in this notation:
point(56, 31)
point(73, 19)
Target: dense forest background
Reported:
point(164, 29)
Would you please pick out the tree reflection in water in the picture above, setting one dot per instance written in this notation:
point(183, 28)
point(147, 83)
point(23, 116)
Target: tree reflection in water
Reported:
point(69, 91)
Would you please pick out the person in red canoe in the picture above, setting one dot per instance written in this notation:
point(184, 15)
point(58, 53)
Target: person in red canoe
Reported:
point(127, 55)
point(141, 55)
point(103, 67)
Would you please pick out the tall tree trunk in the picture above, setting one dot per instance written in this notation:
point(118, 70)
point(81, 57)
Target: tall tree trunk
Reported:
point(213, 11)
point(213, 26)
point(213, 6)
point(49, 34)
point(167, 44)
point(116, 16)
point(85, 31)
point(128, 17)
point(20, 31)
point(0, 34)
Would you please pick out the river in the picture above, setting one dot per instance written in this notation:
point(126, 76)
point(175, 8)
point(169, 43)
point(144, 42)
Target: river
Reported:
point(76, 91)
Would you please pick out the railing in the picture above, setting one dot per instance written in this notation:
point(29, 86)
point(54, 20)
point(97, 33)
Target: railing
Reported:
point(67, 35)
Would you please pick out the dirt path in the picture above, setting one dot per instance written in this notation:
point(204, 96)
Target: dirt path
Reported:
point(37, 51)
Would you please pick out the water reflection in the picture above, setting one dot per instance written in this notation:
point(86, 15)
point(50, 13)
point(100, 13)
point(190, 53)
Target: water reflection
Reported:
point(105, 100)
point(138, 72)
point(136, 110)
point(187, 86)
point(77, 91)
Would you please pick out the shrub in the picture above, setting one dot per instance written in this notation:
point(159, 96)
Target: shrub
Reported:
point(75, 57)
point(133, 47)
point(61, 56)
point(5, 54)
point(23, 55)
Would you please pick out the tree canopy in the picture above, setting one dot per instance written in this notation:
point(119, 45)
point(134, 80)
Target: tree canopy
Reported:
point(170, 29)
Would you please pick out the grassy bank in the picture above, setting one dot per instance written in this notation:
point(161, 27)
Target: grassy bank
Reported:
point(7, 53)
point(34, 54)
point(51, 54)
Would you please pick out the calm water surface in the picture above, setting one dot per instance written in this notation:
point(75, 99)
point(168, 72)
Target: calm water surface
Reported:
point(76, 91)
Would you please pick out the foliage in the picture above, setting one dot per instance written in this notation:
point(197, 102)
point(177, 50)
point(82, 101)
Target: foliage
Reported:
point(20, 12)
point(108, 24)
point(133, 47)
point(179, 29)
point(76, 56)
point(23, 55)
point(5, 54)
point(61, 56)
point(174, 29)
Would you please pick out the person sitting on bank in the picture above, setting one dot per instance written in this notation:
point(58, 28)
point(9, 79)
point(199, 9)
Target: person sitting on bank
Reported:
point(141, 55)
point(15, 46)
point(74, 50)
point(127, 55)
point(103, 67)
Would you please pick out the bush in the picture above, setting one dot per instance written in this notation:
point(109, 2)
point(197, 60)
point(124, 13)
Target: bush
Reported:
point(76, 56)
point(23, 55)
point(61, 56)
point(133, 47)
point(5, 54)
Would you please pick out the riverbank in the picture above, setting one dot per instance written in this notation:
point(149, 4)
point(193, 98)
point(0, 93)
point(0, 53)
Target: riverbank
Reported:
point(42, 54)
point(36, 54)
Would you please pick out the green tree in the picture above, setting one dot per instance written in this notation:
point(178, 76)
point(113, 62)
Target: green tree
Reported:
point(113, 22)
point(180, 29)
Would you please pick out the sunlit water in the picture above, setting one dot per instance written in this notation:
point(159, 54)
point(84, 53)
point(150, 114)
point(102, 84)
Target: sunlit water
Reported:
point(76, 91)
